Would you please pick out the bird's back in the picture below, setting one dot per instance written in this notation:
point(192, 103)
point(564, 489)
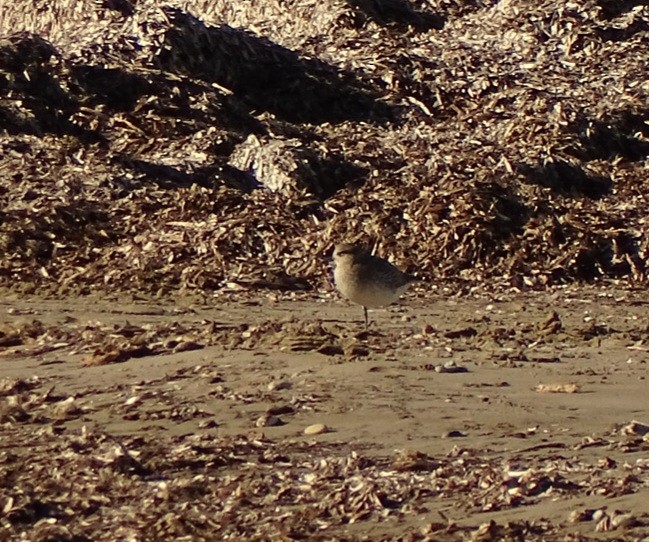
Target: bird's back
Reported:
point(367, 280)
point(378, 270)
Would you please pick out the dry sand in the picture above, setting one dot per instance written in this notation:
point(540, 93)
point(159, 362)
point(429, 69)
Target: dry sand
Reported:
point(436, 454)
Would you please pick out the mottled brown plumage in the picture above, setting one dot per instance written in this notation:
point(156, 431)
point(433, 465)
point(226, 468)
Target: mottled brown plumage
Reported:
point(367, 280)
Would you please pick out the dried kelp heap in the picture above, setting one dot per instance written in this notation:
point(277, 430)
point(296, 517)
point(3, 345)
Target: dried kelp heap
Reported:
point(150, 146)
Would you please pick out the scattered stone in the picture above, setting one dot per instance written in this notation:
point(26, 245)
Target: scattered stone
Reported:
point(132, 401)
point(598, 515)
point(208, 424)
point(605, 521)
point(13, 412)
point(458, 333)
point(635, 428)
point(214, 378)
point(577, 516)
point(187, 346)
point(269, 421)
point(557, 388)
point(450, 367)
point(279, 385)
point(316, 429)
point(623, 520)
point(454, 434)
point(66, 408)
point(413, 460)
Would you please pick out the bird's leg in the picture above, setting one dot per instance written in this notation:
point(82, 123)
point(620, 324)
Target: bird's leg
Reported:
point(365, 310)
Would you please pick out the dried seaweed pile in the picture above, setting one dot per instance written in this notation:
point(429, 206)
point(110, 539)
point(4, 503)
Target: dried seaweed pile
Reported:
point(187, 145)
point(101, 344)
point(82, 484)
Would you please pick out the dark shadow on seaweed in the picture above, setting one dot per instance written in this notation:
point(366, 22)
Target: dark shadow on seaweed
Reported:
point(266, 76)
point(509, 213)
point(616, 34)
point(14, 123)
point(170, 177)
point(232, 177)
point(567, 179)
point(120, 90)
point(125, 7)
point(143, 172)
point(399, 13)
point(322, 177)
point(616, 256)
point(611, 9)
point(24, 50)
point(611, 138)
point(164, 176)
point(113, 87)
point(45, 106)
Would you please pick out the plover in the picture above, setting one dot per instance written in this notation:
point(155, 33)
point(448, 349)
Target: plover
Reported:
point(367, 280)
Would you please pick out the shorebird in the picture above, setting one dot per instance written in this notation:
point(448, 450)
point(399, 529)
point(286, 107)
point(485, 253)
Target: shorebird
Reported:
point(367, 280)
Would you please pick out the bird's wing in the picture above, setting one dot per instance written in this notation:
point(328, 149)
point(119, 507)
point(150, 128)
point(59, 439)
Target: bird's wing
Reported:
point(383, 270)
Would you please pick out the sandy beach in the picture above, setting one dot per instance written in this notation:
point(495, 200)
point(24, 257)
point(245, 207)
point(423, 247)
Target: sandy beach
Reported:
point(517, 416)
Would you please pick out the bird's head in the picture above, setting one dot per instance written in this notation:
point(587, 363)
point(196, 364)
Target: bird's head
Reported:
point(344, 251)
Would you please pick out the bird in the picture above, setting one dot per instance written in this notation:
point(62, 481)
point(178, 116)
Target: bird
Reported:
point(367, 280)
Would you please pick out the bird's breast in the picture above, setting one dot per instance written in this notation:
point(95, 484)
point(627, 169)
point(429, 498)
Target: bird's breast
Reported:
point(364, 291)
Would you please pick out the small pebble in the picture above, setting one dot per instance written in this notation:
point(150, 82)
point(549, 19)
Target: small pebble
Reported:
point(279, 385)
point(577, 516)
point(453, 434)
point(135, 400)
point(187, 346)
point(635, 428)
point(450, 367)
point(428, 329)
point(208, 424)
point(316, 429)
point(598, 514)
point(66, 408)
point(268, 421)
